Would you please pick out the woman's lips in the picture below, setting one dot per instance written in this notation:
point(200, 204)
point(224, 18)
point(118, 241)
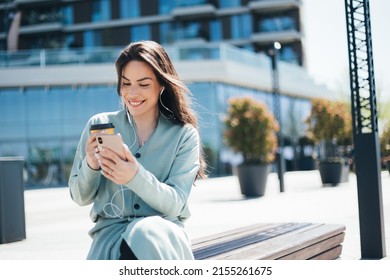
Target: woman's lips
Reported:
point(135, 103)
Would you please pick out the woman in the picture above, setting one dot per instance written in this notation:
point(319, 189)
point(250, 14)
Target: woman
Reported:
point(140, 203)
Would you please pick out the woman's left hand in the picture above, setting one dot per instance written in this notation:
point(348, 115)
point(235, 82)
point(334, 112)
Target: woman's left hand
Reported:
point(115, 168)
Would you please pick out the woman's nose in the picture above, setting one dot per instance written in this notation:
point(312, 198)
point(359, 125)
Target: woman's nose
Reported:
point(130, 91)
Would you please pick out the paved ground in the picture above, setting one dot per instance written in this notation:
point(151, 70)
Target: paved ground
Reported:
point(57, 228)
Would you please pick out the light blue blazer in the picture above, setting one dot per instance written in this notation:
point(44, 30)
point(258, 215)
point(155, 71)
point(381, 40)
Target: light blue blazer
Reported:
point(157, 196)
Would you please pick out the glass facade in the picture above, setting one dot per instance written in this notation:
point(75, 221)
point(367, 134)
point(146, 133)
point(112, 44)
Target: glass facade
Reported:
point(41, 15)
point(288, 54)
point(216, 30)
point(101, 10)
point(241, 26)
point(277, 23)
point(166, 35)
point(129, 8)
point(186, 3)
point(228, 3)
point(165, 6)
point(92, 38)
point(44, 124)
point(187, 30)
point(140, 32)
point(78, 24)
point(67, 15)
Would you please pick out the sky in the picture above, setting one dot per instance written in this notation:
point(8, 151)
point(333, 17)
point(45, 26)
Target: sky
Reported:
point(326, 46)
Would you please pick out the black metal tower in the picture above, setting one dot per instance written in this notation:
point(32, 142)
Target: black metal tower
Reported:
point(274, 54)
point(365, 129)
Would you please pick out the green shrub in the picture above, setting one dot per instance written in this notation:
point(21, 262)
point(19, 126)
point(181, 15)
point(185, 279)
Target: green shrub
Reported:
point(251, 130)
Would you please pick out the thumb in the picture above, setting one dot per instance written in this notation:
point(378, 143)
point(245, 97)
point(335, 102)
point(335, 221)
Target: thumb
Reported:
point(128, 154)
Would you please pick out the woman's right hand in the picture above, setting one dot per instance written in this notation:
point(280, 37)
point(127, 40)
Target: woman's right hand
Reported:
point(91, 149)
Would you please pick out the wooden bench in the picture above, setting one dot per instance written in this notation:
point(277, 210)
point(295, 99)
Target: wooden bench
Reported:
point(282, 241)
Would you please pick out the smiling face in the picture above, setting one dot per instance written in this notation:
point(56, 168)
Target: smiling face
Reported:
point(140, 90)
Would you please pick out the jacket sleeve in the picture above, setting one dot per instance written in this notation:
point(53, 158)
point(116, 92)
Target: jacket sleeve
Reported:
point(170, 197)
point(83, 181)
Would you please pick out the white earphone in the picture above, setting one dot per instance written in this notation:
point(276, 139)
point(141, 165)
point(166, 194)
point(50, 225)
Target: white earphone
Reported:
point(172, 116)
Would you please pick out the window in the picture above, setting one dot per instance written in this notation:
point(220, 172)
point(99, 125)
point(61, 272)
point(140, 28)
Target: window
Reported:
point(215, 30)
point(166, 6)
point(166, 35)
point(92, 38)
point(13, 114)
point(129, 8)
point(101, 10)
point(67, 13)
point(288, 54)
point(241, 26)
point(2, 45)
point(69, 41)
point(39, 15)
point(279, 23)
point(186, 3)
point(229, 3)
point(140, 32)
point(188, 30)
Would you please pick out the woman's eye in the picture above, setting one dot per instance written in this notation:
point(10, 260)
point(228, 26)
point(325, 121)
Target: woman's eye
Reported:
point(144, 85)
point(125, 84)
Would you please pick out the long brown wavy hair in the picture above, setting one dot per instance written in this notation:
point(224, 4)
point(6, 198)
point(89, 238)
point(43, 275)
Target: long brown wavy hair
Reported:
point(176, 93)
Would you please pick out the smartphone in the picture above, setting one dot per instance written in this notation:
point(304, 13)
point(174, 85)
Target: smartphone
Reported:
point(113, 142)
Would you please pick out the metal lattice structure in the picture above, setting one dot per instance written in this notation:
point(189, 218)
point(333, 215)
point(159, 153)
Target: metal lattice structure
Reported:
point(361, 67)
point(365, 129)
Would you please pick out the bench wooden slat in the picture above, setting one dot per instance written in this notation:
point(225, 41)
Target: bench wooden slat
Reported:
point(312, 251)
point(331, 254)
point(273, 241)
point(228, 235)
point(230, 241)
point(298, 227)
point(297, 241)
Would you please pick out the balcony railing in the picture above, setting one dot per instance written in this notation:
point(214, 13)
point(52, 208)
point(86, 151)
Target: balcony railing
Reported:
point(265, 6)
point(46, 57)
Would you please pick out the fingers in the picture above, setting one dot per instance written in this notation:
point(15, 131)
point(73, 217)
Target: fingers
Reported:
point(129, 156)
point(91, 145)
point(116, 169)
point(107, 159)
point(91, 151)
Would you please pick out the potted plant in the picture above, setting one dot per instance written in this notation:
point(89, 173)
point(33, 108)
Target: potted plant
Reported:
point(385, 146)
point(251, 130)
point(330, 126)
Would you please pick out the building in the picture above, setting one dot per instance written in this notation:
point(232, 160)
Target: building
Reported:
point(47, 97)
point(48, 94)
point(249, 24)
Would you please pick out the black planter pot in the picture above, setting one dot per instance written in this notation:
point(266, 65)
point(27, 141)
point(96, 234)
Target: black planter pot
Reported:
point(253, 178)
point(306, 163)
point(333, 173)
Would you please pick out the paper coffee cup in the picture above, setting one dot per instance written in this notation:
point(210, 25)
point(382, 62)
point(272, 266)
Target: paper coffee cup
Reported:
point(103, 128)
